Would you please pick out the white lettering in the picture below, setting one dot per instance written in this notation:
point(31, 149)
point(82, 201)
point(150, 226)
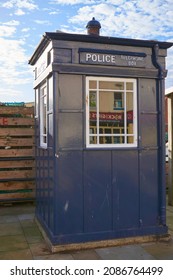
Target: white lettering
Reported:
point(113, 58)
point(100, 59)
point(94, 57)
point(88, 56)
point(107, 58)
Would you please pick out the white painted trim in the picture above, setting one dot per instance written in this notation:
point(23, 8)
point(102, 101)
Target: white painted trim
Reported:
point(42, 135)
point(125, 145)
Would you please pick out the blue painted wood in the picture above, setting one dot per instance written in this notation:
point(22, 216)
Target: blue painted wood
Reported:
point(125, 173)
point(97, 191)
point(149, 192)
point(69, 193)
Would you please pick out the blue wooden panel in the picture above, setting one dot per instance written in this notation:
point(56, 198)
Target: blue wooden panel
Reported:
point(149, 188)
point(125, 172)
point(148, 124)
point(97, 191)
point(69, 193)
point(147, 95)
point(70, 97)
point(70, 130)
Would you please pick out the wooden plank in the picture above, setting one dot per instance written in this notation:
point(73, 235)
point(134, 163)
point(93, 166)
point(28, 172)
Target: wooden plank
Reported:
point(17, 163)
point(17, 153)
point(12, 135)
point(13, 185)
point(5, 121)
point(13, 196)
point(10, 141)
point(17, 131)
point(19, 174)
point(26, 111)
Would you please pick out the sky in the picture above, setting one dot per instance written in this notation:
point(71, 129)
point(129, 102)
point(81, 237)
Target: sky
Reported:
point(23, 23)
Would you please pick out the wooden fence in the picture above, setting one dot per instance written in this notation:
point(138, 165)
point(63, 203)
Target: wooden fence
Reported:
point(17, 159)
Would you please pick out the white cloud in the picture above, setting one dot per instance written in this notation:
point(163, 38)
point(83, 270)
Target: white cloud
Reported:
point(87, 2)
point(12, 23)
point(19, 12)
point(116, 2)
point(7, 31)
point(73, 2)
point(14, 69)
point(25, 29)
point(10, 92)
point(53, 13)
point(26, 4)
point(19, 6)
point(98, 11)
point(134, 19)
point(46, 22)
point(16, 94)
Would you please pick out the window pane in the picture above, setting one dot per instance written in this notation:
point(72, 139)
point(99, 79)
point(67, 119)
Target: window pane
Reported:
point(118, 100)
point(93, 127)
point(119, 85)
point(93, 112)
point(108, 118)
point(92, 100)
point(111, 85)
point(92, 84)
point(130, 139)
point(105, 109)
point(36, 103)
point(129, 86)
point(44, 139)
point(43, 115)
point(118, 130)
point(129, 108)
point(93, 140)
point(105, 140)
point(111, 139)
point(118, 139)
point(50, 93)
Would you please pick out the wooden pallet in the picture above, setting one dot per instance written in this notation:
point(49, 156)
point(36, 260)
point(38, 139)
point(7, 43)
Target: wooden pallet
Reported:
point(17, 154)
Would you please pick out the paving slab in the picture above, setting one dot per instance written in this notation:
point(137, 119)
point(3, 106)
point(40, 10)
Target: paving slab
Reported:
point(56, 256)
point(28, 223)
point(129, 252)
point(8, 219)
point(32, 234)
point(16, 255)
point(12, 243)
point(10, 229)
point(85, 255)
point(17, 209)
point(24, 217)
point(160, 250)
point(39, 249)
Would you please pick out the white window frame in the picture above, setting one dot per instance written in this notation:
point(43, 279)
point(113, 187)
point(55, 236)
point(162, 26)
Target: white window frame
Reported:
point(43, 135)
point(88, 134)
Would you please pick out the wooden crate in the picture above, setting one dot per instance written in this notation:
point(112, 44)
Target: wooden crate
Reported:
point(17, 155)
